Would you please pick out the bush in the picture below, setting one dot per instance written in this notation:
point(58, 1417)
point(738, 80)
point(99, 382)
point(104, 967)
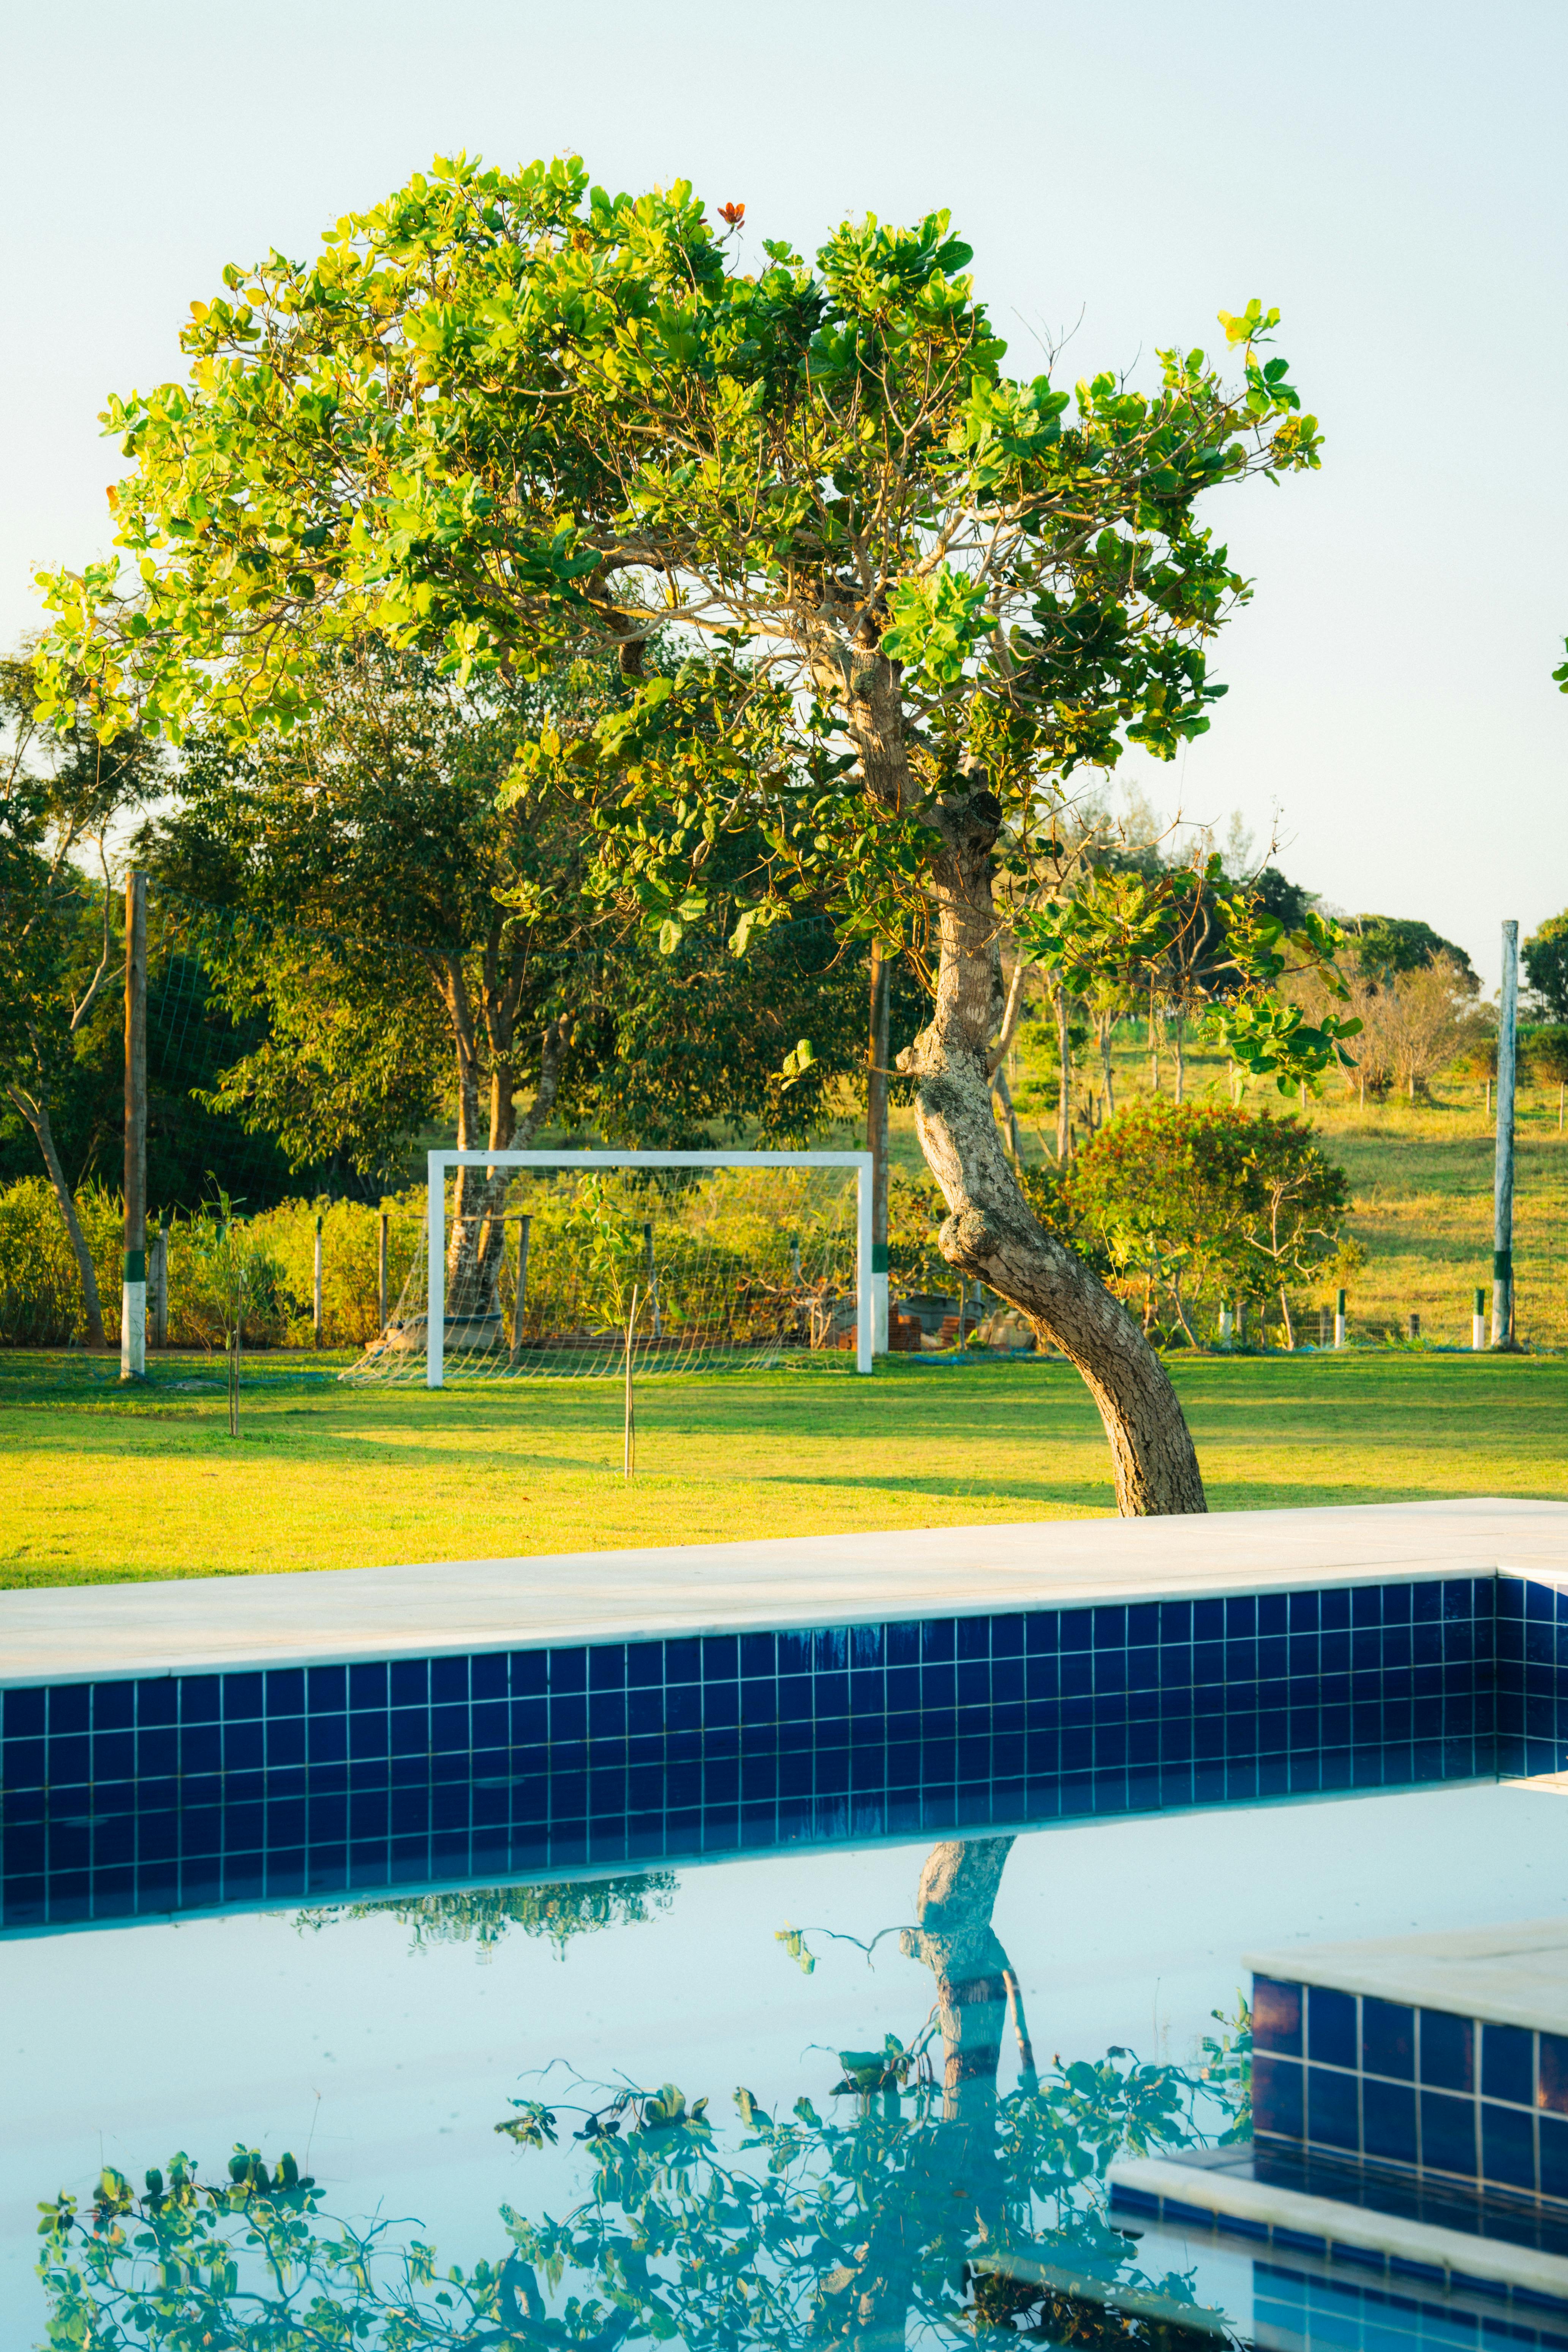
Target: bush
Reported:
point(349, 1244)
point(1191, 1204)
point(1543, 1053)
point(41, 1305)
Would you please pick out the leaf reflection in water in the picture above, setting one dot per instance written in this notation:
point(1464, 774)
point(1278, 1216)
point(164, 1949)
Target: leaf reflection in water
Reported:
point(934, 2205)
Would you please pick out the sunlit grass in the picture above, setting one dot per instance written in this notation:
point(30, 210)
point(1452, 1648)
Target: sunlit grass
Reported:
point(100, 1485)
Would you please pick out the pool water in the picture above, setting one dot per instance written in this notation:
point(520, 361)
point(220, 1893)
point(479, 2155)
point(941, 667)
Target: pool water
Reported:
point(917, 2059)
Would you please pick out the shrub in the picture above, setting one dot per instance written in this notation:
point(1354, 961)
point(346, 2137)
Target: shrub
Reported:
point(41, 1303)
point(350, 1243)
point(1195, 1204)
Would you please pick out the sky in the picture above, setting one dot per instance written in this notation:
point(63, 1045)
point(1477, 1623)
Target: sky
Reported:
point(1389, 174)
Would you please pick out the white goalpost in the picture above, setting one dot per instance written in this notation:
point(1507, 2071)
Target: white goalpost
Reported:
point(805, 1299)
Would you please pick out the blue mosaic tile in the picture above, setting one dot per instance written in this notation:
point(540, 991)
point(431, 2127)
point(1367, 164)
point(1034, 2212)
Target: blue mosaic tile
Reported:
point(167, 1792)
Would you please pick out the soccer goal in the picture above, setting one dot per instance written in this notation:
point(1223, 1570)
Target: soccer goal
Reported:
point(552, 1265)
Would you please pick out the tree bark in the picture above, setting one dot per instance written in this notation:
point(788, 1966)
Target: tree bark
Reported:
point(478, 1242)
point(990, 1232)
point(36, 1115)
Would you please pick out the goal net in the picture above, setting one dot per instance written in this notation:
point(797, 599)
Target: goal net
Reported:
point(549, 1265)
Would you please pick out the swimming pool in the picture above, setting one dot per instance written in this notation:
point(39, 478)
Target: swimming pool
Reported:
point(748, 1944)
point(837, 2184)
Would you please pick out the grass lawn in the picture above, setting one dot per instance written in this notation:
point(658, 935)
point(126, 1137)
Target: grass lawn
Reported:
point(102, 1485)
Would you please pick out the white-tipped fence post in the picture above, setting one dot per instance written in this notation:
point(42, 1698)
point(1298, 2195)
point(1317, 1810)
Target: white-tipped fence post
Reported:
point(1479, 1319)
point(435, 1280)
point(1340, 1319)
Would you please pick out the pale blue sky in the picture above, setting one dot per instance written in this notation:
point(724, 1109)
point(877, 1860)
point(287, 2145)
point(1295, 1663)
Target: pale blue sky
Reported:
point(1391, 174)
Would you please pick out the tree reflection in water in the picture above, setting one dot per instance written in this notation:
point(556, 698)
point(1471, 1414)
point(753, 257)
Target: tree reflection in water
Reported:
point(932, 2207)
point(483, 1915)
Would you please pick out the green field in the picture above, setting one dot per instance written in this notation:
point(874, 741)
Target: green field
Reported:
point(100, 1485)
point(1420, 1180)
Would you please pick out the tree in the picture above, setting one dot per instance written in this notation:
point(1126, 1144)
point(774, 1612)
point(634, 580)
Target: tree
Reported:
point(1547, 1051)
point(503, 410)
point(1386, 945)
point(1545, 955)
point(926, 2205)
point(1196, 1201)
point(1428, 1016)
point(61, 793)
point(395, 921)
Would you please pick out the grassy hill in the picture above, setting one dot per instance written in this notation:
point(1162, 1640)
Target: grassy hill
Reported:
point(1421, 1181)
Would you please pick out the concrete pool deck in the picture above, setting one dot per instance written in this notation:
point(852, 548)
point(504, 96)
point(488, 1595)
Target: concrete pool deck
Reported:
point(192, 1625)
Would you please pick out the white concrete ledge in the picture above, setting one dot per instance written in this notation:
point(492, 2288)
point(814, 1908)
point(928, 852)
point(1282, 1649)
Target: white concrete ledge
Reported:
point(1343, 2225)
point(194, 1624)
point(1513, 1975)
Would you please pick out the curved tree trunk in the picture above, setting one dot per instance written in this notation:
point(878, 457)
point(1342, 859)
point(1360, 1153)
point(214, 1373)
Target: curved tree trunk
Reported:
point(991, 1233)
point(36, 1115)
point(478, 1243)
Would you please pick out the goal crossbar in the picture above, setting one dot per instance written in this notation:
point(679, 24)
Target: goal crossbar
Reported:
point(438, 1163)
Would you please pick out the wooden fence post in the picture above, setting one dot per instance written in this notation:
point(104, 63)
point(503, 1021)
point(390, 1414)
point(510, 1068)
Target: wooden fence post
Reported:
point(160, 1285)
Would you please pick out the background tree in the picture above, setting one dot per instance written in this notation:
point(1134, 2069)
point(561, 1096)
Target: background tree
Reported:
point(1430, 1016)
point(61, 795)
point(1545, 958)
point(1415, 999)
point(503, 409)
point(1546, 1053)
point(403, 938)
point(1386, 945)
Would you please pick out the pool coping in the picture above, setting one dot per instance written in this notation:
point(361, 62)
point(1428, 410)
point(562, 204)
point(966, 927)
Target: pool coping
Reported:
point(103, 1632)
point(1188, 2192)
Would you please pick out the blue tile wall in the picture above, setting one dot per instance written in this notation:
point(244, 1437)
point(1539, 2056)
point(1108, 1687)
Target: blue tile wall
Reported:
point(1421, 2089)
point(1531, 1683)
point(186, 1791)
